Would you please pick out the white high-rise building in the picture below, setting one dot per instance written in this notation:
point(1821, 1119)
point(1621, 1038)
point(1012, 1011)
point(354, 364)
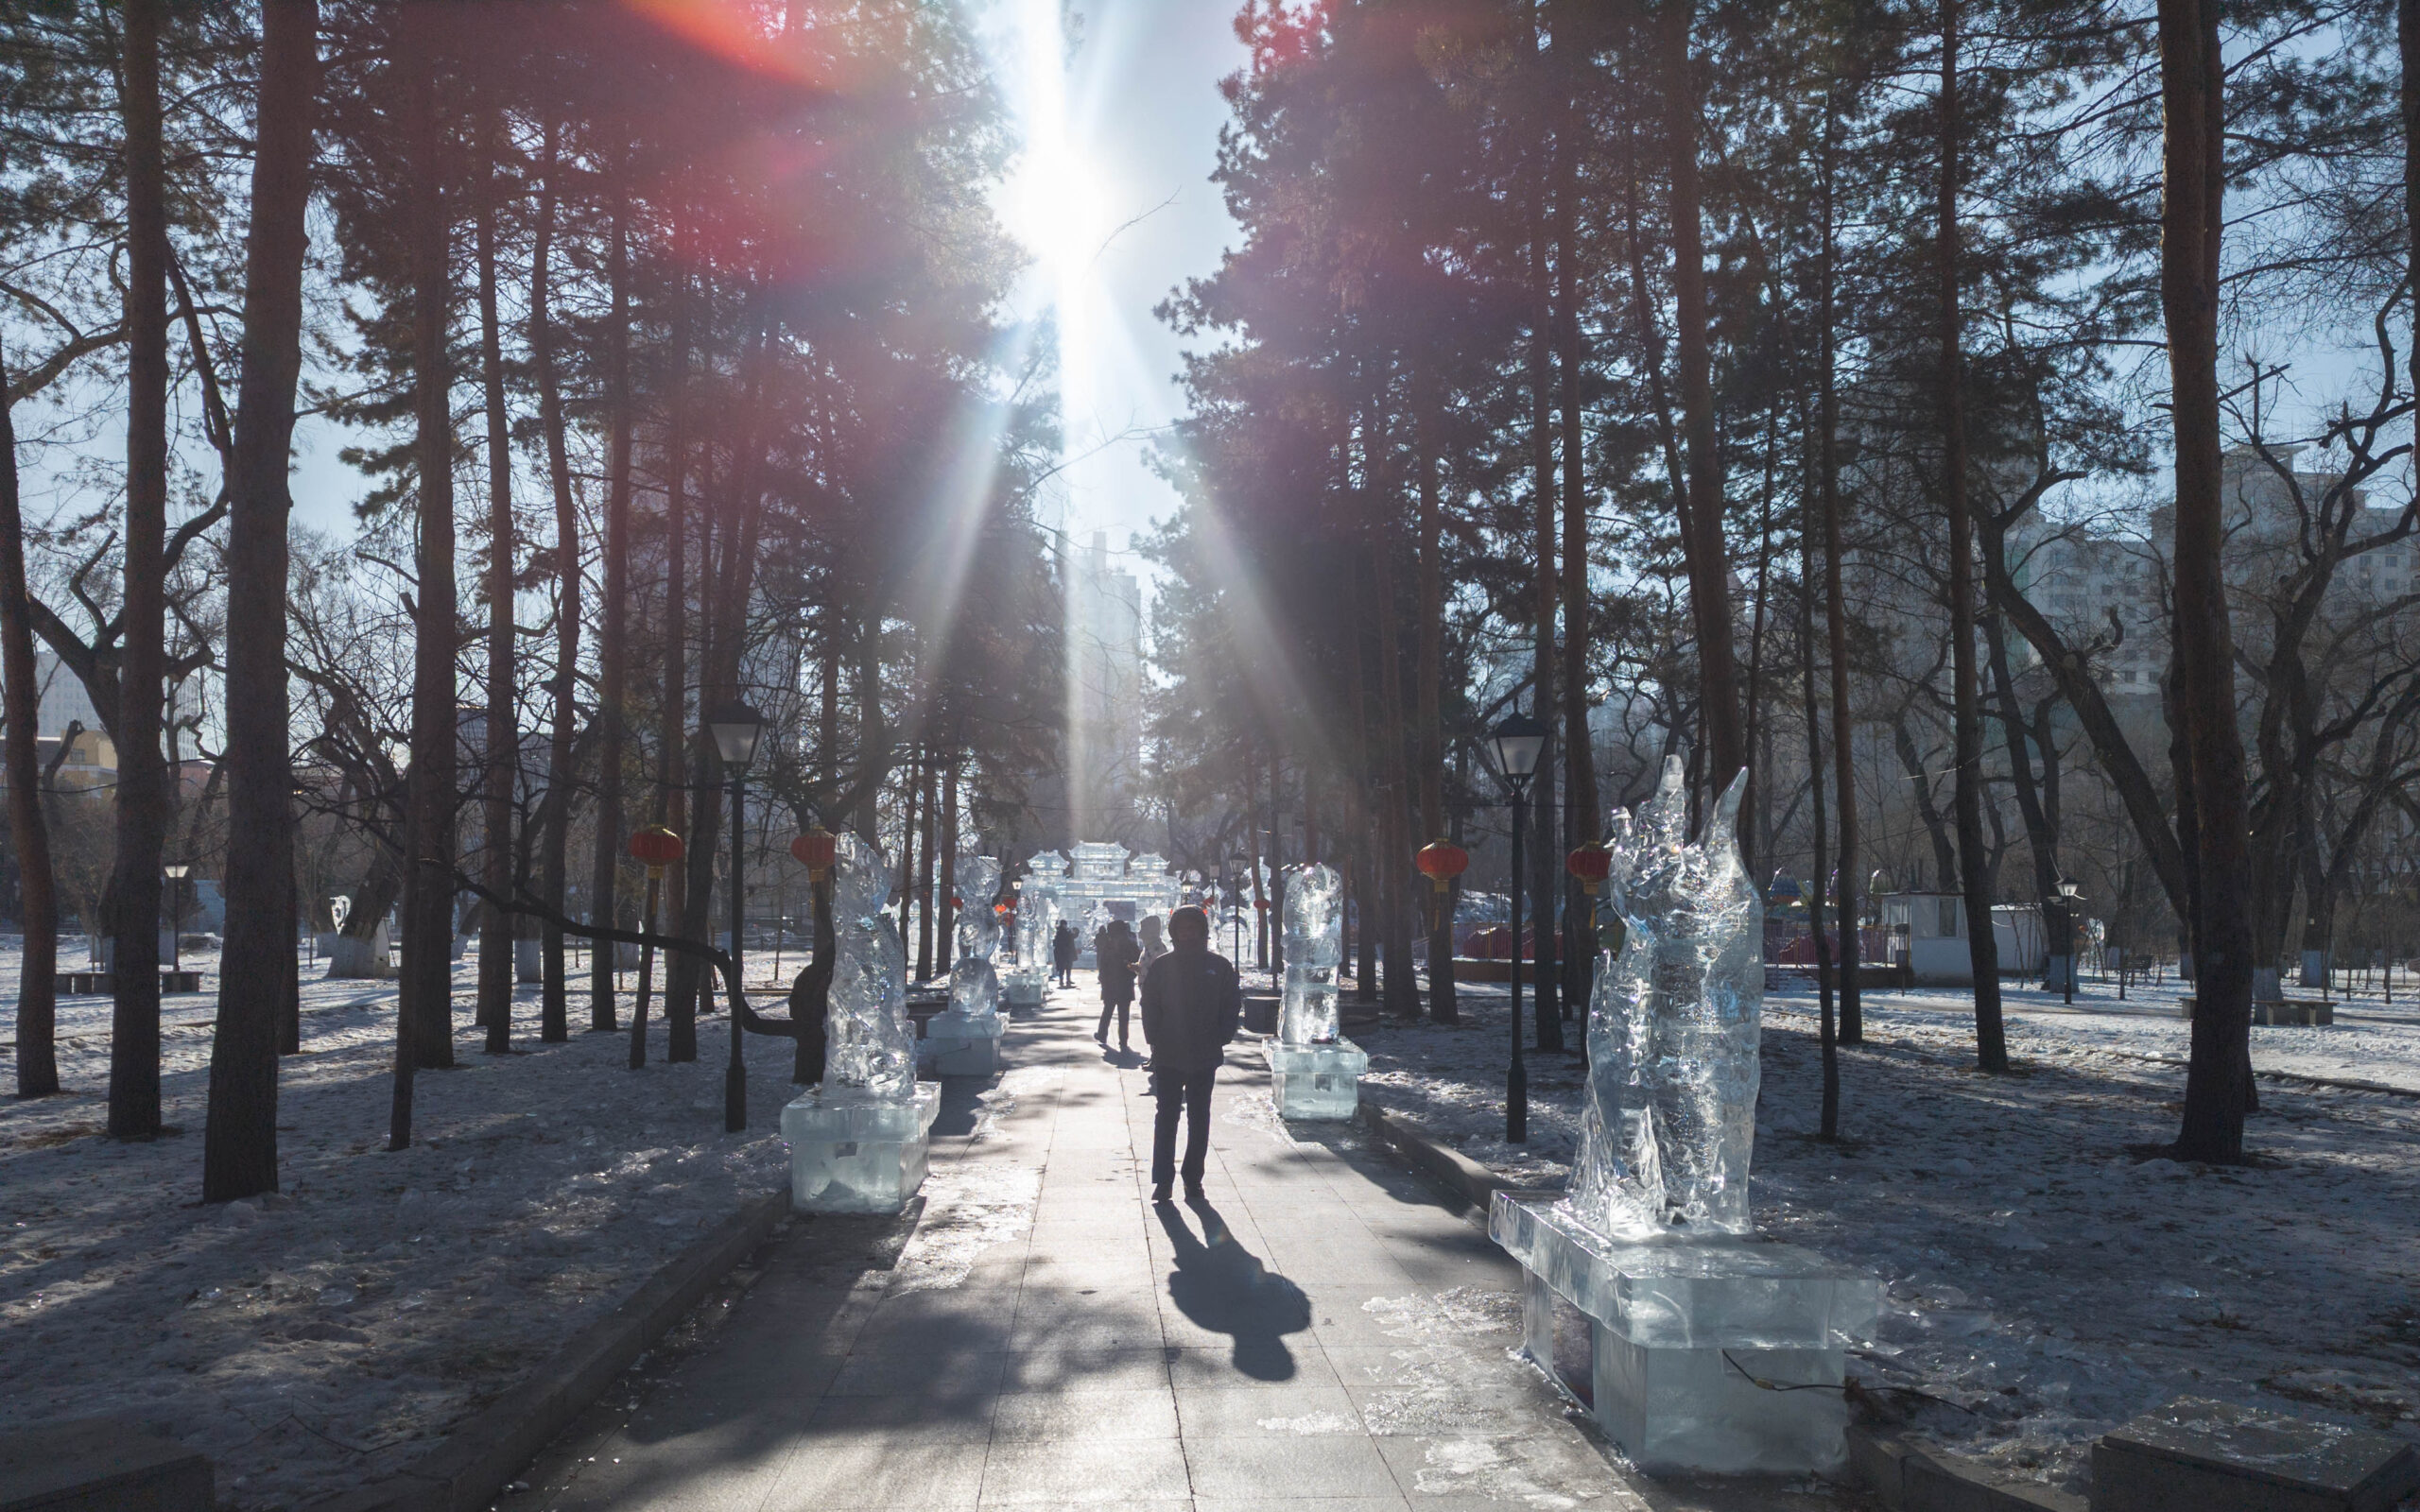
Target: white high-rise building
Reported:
point(1104, 736)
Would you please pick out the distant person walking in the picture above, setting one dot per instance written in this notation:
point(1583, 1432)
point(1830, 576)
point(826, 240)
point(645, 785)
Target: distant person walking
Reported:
point(1063, 950)
point(1191, 1003)
point(1155, 942)
point(1114, 953)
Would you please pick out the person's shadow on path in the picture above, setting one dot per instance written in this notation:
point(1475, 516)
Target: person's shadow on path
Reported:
point(1224, 1287)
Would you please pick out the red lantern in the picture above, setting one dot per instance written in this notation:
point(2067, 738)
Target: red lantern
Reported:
point(1441, 862)
point(655, 848)
point(1591, 863)
point(815, 850)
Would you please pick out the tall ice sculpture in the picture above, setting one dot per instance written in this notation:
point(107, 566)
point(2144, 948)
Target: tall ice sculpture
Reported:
point(1668, 1310)
point(965, 1039)
point(1314, 1070)
point(858, 1140)
point(1029, 981)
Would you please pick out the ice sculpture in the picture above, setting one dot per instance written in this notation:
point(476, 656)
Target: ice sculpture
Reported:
point(873, 1041)
point(1314, 950)
point(1314, 1070)
point(859, 1141)
point(1669, 1118)
point(1685, 1312)
point(965, 1042)
point(974, 982)
point(1037, 922)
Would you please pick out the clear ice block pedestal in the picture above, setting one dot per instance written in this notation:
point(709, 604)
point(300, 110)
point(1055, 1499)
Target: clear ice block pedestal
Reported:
point(1316, 1081)
point(853, 1150)
point(1021, 995)
point(1666, 1339)
point(959, 1044)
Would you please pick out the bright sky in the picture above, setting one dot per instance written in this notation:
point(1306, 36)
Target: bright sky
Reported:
point(1118, 108)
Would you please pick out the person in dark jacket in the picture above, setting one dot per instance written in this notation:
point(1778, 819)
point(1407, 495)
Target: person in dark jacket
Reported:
point(1114, 952)
point(1064, 952)
point(1192, 1001)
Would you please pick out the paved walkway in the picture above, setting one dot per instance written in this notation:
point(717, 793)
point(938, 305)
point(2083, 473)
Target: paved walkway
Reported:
point(1321, 1334)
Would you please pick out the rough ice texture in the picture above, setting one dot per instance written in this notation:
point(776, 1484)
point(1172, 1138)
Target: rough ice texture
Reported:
point(1314, 950)
point(974, 981)
point(873, 1040)
point(1037, 921)
point(1317, 1081)
point(1669, 1118)
point(856, 1150)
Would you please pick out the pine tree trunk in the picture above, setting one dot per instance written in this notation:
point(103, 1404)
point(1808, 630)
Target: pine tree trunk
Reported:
point(424, 1024)
point(672, 796)
point(503, 698)
point(142, 773)
point(1444, 1006)
point(2217, 1082)
point(1582, 823)
point(924, 877)
point(1967, 719)
point(1703, 545)
point(37, 996)
point(949, 900)
point(613, 659)
point(554, 863)
point(1845, 895)
point(1826, 1037)
point(1544, 855)
point(259, 1010)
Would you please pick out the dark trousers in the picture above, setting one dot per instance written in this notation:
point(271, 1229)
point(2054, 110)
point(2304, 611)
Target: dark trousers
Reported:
point(1120, 1007)
point(1186, 1093)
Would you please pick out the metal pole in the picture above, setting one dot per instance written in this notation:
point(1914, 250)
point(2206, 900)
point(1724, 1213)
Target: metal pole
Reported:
point(735, 1076)
point(2071, 912)
point(1516, 1080)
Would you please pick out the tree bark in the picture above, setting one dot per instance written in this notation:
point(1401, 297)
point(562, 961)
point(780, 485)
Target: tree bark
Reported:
point(1583, 824)
point(503, 698)
point(2216, 1082)
point(424, 1024)
point(1967, 719)
point(37, 1000)
point(1442, 1005)
point(1546, 998)
point(554, 862)
point(948, 898)
point(143, 797)
point(1826, 1035)
point(1827, 480)
point(257, 1014)
point(672, 794)
point(1702, 547)
point(613, 649)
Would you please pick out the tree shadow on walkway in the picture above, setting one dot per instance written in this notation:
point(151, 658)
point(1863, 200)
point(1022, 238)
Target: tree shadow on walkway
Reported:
point(1221, 1286)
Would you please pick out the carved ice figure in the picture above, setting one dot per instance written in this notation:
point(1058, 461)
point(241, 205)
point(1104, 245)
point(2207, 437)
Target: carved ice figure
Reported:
point(1669, 1119)
point(1037, 921)
point(873, 1041)
point(1314, 950)
point(974, 981)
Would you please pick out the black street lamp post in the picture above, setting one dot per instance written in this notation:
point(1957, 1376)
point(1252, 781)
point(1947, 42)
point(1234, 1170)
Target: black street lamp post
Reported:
point(2069, 898)
point(1518, 741)
point(735, 729)
point(176, 871)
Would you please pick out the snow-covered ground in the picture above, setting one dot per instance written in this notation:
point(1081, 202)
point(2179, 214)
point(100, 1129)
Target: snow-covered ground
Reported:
point(2044, 1275)
point(314, 1339)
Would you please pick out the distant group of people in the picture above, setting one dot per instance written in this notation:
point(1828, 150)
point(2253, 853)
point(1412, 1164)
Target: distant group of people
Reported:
point(1192, 1002)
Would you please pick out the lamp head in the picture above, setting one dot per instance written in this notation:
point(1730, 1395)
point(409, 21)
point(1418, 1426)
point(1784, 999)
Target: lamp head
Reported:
point(1519, 739)
point(736, 728)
